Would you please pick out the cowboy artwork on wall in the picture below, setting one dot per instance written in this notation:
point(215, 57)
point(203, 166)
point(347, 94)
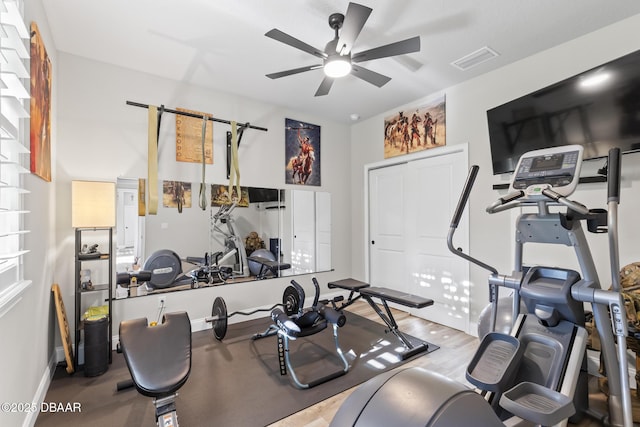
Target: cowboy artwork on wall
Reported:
point(176, 194)
point(302, 153)
point(220, 195)
point(411, 130)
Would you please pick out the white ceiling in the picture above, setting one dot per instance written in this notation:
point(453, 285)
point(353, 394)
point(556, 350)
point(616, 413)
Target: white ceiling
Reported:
point(220, 44)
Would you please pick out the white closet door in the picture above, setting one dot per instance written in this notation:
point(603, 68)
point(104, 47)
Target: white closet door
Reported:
point(387, 227)
point(410, 209)
point(323, 231)
point(434, 186)
point(127, 218)
point(303, 231)
point(130, 218)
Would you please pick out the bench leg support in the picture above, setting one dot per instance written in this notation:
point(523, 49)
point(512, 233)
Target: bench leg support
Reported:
point(166, 415)
point(352, 298)
point(387, 317)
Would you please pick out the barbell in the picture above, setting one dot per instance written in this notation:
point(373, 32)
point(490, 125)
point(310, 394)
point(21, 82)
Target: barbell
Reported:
point(219, 315)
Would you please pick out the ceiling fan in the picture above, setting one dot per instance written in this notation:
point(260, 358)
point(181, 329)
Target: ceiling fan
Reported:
point(337, 60)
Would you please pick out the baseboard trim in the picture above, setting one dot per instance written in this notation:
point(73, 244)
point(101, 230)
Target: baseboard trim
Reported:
point(43, 387)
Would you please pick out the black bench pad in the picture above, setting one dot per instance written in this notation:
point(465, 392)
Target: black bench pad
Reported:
point(272, 265)
point(158, 357)
point(398, 297)
point(348, 284)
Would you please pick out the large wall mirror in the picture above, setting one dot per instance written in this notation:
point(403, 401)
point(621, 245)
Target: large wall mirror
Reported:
point(275, 233)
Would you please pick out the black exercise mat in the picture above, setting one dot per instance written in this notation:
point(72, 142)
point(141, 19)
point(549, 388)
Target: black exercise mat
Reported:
point(235, 382)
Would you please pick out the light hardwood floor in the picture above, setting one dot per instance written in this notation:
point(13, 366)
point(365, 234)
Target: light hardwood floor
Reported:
point(456, 350)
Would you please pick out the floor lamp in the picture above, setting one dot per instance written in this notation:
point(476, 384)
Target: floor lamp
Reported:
point(93, 204)
point(93, 207)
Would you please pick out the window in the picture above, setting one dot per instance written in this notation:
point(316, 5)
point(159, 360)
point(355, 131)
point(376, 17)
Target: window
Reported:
point(14, 152)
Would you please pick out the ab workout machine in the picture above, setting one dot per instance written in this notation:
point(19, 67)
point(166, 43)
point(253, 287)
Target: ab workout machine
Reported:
point(291, 303)
point(303, 323)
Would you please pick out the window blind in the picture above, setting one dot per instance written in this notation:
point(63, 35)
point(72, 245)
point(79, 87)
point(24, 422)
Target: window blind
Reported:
point(14, 151)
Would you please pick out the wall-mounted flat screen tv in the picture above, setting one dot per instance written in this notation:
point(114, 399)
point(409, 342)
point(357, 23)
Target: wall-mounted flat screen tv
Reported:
point(599, 109)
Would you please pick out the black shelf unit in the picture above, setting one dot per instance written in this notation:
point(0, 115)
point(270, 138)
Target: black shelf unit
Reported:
point(80, 260)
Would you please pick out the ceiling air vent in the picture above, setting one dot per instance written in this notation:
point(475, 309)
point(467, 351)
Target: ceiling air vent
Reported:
point(475, 58)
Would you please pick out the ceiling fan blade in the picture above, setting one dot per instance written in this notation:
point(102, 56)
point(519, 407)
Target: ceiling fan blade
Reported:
point(354, 20)
point(293, 71)
point(324, 87)
point(372, 77)
point(393, 49)
point(294, 42)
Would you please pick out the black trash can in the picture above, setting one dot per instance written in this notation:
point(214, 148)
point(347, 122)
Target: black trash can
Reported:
point(96, 346)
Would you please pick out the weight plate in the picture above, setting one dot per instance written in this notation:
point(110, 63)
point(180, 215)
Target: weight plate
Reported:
point(219, 309)
point(165, 267)
point(291, 301)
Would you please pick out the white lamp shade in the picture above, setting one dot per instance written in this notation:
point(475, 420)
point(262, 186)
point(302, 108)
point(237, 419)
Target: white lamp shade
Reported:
point(93, 204)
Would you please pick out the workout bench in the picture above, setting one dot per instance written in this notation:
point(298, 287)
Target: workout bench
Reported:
point(358, 289)
point(268, 267)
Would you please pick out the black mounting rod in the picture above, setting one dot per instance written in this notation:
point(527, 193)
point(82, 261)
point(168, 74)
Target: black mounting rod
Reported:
point(198, 116)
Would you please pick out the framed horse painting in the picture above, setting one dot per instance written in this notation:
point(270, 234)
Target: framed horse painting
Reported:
point(415, 130)
point(302, 153)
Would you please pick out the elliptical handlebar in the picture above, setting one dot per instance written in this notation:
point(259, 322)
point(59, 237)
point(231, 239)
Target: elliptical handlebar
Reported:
point(613, 175)
point(613, 199)
point(566, 202)
point(225, 211)
point(504, 203)
point(468, 185)
point(616, 302)
point(455, 221)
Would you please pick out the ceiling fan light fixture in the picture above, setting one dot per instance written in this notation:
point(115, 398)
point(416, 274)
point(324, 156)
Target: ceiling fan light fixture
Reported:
point(337, 57)
point(337, 66)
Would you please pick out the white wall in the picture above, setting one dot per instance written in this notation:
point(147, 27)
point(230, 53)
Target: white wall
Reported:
point(102, 138)
point(491, 236)
point(28, 329)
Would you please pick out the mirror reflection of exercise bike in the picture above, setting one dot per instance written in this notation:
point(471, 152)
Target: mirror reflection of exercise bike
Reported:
point(537, 374)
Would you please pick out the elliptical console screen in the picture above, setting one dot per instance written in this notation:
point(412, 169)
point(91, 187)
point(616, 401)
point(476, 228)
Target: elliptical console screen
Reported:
point(545, 163)
point(557, 168)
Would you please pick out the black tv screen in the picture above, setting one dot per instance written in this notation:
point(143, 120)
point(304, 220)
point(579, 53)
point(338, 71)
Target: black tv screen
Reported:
point(598, 109)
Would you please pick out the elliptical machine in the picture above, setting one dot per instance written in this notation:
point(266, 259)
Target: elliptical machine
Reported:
point(233, 243)
point(537, 373)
